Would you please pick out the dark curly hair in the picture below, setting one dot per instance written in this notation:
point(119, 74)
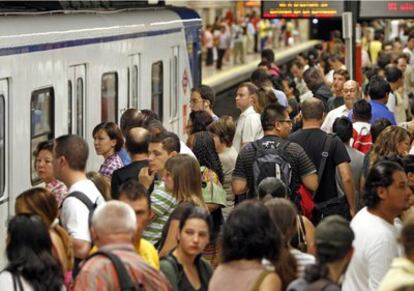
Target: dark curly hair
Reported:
point(205, 152)
point(380, 175)
point(249, 234)
point(199, 121)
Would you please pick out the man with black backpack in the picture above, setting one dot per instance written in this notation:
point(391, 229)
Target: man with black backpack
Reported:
point(273, 156)
point(116, 265)
point(328, 153)
point(70, 153)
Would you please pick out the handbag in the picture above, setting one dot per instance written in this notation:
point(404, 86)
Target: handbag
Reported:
point(301, 233)
point(337, 205)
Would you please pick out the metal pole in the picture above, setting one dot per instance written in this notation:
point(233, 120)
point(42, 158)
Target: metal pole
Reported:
point(349, 21)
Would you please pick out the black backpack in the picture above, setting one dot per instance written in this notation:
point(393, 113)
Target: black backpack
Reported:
point(271, 161)
point(125, 282)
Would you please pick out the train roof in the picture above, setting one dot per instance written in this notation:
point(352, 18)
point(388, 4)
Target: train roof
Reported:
point(41, 6)
point(28, 28)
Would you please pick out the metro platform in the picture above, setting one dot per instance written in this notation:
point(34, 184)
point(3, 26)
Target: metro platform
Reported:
point(230, 75)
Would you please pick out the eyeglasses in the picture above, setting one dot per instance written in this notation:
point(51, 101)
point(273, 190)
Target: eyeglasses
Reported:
point(194, 101)
point(286, 120)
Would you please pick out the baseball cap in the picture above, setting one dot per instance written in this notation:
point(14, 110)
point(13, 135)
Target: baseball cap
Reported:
point(333, 237)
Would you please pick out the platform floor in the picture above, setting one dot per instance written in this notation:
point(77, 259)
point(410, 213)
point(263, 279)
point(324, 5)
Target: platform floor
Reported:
point(209, 71)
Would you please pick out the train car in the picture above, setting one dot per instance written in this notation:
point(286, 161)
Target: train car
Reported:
point(66, 71)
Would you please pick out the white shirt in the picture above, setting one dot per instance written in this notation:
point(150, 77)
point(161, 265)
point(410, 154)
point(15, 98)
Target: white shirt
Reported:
point(411, 54)
point(6, 282)
point(75, 215)
point(375, 246)
point(396, 104)
point(249, 128)
point(208, 38)
point(184, 149)
point(303, 260)
point(332, 116)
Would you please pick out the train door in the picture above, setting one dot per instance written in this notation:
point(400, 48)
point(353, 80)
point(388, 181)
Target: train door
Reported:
point(5, 210)
point(77, 100)
point(174, 91)
point(134, 81)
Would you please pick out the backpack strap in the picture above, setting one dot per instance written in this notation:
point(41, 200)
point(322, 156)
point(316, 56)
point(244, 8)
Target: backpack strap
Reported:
point(260, 280)
point(83, 198)
point(301, 229)
point(125, 282)
point(17, 281)
point(319, 284)
point(173, 264)
point(325, 154)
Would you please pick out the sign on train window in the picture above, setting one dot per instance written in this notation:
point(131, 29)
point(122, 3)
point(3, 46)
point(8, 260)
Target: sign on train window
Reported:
point(134, 86)
point(42, 121)
point(70, 106)
point(174, 85)
point(109, 97)
point(2, 145)
point(79, 106)
point(157, 88)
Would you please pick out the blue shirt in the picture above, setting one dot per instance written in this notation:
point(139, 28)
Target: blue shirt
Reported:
point(379, 110)
point(281, 97)
point(125, 158)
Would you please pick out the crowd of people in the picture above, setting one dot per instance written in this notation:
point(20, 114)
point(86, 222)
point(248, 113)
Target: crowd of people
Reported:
point(232, 38)
point(311, 189)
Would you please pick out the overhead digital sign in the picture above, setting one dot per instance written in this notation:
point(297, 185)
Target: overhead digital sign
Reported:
point(302, 9)
point(386, 9)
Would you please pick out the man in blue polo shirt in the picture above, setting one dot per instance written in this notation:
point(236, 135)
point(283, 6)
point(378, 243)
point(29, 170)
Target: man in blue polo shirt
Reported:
point(379, 90)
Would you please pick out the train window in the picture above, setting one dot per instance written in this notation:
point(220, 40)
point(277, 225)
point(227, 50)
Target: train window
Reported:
point(42, 121)
point(109, 97)
point(79, 106)
point(174, 93)
point(70, 89)
point(2, 145)
point(134, 87)
point(157, 88)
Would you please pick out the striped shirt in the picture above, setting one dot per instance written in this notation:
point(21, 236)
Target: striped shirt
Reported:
point(303, 260)
point(162, 204)
point(295, 155)
point(98, 273)
point(110, 164)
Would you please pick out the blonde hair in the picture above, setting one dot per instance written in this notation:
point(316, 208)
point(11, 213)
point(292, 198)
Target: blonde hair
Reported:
point(101, 183)
point(387, 142)
point(186, 174)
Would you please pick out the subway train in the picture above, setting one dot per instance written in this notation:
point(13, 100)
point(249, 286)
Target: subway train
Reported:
point(65, 71)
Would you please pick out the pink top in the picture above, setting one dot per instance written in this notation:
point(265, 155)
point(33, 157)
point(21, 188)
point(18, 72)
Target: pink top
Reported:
point(110, 164)
point(58, 189)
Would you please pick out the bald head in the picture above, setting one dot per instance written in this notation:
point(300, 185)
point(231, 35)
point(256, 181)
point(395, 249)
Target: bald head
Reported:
point(312, 109)
point(137, 139)
point(351, 93)
point(129, 118)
